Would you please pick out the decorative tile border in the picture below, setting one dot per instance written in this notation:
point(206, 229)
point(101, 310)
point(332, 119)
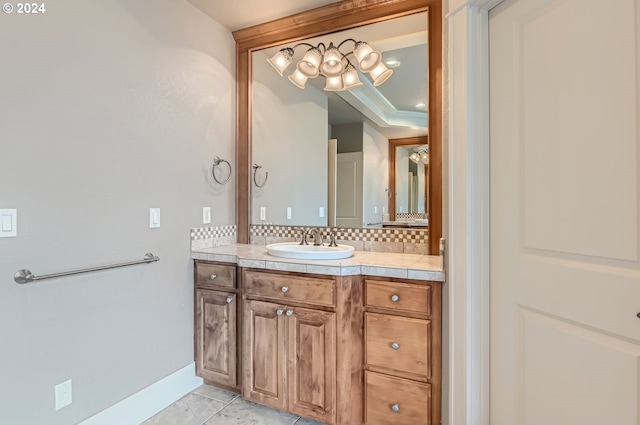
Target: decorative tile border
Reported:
point(410, 216)
point(345, 234)
point(410, 241)
point(209, 237)
point(213, 232)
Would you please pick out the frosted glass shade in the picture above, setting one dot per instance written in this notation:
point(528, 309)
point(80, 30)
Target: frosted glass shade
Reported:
point(332, 65)
point(350, 78)
point(298, 79)
point(380, 74)
point(334, 84)
point(281, 60)
point(368, 59)
point(310, 63)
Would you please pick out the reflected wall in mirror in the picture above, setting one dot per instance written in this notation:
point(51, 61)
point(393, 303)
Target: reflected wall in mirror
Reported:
point(291, 128)
point(314, 23)
point(409, 176)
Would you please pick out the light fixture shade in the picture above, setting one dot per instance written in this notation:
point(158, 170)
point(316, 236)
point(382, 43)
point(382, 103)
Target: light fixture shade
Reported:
point(281, 60)
point(298, 79)
point(350, 78)
point(334, 84)
point(380, 74)
point(332, 65)
point(310, 63)
point(415, 157)
point(368, 59)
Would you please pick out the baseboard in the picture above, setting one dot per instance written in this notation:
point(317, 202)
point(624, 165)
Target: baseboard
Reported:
point(140, 406)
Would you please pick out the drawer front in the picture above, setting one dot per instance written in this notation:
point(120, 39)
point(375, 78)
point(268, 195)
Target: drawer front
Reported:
point(208, 274)
point(391, 401)
point(398, 343)
point(402, 297)
point(289, 287)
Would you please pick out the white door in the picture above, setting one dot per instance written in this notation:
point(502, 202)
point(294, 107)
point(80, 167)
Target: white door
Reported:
point(349, 190)
point(565, 275)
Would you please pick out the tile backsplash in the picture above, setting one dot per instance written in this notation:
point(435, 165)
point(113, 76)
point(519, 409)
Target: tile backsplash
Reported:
point(410, 241)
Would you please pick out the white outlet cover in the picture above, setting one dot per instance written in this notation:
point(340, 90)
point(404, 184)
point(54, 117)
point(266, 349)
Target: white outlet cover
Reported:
point(288, 213)
point(321, 212)
point(263, 213)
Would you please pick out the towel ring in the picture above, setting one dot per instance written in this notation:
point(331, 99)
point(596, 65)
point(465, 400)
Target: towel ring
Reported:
point(216, 162)
point(255, 170)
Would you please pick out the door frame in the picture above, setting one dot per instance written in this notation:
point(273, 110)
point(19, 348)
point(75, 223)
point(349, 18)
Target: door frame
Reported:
point(466, 324)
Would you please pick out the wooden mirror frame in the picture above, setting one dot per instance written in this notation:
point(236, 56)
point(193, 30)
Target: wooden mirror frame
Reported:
point(325, 20)
point(393, 144)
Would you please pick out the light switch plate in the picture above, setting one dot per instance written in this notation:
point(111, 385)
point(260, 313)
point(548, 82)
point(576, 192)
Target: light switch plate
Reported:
point(8, 223)
point(206, 215)
point(288, 213)
point(321, 212)
point(64, 394)
point(263, 213)
point(154, 218)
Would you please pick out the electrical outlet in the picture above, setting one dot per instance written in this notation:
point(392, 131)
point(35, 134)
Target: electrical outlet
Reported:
point(206, 215)
point(288, 213)
point(64, 394)
point(375, 210)
point(321, 212)
point(263, 213)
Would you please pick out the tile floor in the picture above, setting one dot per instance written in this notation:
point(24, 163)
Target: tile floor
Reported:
point(208, 405)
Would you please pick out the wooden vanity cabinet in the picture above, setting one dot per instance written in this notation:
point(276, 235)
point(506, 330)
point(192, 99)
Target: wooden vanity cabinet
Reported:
point(293, 326)
point(403, 344)
point(216, 324)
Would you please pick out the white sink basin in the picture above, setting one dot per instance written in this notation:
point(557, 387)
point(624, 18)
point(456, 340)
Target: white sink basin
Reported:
point(309, 252)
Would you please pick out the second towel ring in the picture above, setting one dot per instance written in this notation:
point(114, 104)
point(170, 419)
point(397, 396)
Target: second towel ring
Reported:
point(216, 162)
point(255, 170)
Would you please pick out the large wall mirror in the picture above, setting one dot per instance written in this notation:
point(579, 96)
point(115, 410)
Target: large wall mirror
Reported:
point(304, 139)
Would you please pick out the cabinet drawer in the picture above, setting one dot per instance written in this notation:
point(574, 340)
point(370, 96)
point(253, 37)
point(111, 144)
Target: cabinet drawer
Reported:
point(208, 274)
point(402, 297)
point(390, 401)
point(398, 343)
point(289, 287)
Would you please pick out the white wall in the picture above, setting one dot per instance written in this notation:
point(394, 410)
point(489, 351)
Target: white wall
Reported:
point(376, 175)
point(290, 141)
point(106, 109)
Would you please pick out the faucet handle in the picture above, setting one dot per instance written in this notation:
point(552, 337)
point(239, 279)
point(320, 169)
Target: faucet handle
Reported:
point(303, 237)
point(332, 235)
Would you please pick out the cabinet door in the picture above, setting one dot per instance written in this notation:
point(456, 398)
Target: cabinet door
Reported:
point(312, 363)
point(216, 336)
point(264, 354)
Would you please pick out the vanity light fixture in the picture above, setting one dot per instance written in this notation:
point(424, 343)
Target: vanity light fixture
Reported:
point(421, 155)
point(331, 63)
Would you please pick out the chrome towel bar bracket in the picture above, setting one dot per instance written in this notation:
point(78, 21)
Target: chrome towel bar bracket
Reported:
point(25, 275)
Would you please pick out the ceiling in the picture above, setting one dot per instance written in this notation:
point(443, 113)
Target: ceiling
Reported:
point(403, 40)
point(237, 14)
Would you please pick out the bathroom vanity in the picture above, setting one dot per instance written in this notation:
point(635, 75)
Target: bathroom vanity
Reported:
point(346, 341)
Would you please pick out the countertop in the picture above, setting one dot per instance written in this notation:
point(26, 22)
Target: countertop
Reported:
point(385, 264)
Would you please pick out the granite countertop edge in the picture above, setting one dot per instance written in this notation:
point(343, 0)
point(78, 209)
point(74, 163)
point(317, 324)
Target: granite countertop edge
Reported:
point(383, 264)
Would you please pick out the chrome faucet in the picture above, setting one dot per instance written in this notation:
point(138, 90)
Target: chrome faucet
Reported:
point(317, 236)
